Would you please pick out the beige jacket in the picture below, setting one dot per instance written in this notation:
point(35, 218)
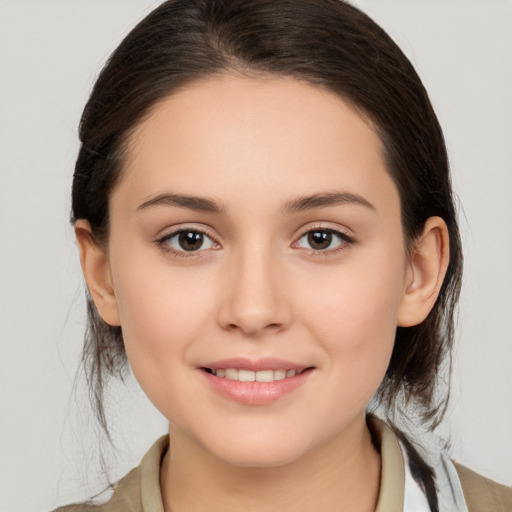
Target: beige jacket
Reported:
point(139, 490)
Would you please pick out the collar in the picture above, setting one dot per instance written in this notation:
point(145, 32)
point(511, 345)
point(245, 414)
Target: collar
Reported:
point(150, 495)
point(392, 472)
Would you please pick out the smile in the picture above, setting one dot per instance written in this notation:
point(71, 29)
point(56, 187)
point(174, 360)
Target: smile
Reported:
point(244, 375)
point(255, 382)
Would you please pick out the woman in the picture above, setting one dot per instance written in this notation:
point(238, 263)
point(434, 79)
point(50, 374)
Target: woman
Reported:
point(265, 221)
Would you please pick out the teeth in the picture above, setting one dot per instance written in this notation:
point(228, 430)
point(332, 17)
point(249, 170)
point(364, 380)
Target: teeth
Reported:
point(231, 374)
point(251, 376)
point(265, 376)
point(279, 374)
point(246, 376)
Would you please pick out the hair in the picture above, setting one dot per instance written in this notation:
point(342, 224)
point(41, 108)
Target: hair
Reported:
point(327, 43)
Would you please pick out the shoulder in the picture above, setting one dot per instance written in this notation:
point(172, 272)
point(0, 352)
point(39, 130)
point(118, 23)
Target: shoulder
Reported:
point(126, 498)
point(483, 494)
point(138, 491)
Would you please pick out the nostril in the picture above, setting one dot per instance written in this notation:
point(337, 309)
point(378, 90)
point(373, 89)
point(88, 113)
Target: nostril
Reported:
point(254, 331)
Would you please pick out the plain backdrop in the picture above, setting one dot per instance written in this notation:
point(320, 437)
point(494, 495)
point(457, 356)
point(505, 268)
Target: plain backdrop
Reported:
point(50, 54)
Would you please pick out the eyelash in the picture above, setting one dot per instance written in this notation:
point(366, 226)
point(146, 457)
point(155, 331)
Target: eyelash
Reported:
point(163, 242)
point(344, 241)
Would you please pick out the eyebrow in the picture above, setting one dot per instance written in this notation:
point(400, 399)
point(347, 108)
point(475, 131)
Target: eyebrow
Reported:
point(201, 204)
point(300, 204)
point(325, 199)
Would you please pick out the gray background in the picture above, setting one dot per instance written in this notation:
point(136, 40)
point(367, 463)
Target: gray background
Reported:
point(50, 53)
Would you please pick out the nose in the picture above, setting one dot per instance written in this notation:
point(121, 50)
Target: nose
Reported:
point(254, 299)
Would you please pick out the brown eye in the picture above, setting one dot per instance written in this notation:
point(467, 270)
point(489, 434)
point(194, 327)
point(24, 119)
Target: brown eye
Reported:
point(190, 240)
point(323, 240)
point(187, 240)
point(319, 240)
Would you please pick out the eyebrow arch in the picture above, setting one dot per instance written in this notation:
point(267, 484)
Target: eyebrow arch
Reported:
point(325, 199)
point(201, 204)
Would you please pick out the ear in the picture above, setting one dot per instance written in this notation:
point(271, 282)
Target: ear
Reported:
point(96, 269)
point(427, 268)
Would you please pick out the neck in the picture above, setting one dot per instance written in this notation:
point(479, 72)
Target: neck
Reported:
point(343, 474)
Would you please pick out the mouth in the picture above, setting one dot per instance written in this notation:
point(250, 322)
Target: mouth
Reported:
point(256, 382)
point(244, 375)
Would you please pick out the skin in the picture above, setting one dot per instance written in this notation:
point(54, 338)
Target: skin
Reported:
point(257, 288)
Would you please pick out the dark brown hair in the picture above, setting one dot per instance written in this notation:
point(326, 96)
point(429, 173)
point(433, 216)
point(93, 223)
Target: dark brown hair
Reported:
point(324, 42)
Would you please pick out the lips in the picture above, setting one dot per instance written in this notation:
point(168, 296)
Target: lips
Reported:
point(255, 382)
point(244, 375)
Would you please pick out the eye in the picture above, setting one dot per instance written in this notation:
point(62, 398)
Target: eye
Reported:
point(323, 240)
point(187, 240)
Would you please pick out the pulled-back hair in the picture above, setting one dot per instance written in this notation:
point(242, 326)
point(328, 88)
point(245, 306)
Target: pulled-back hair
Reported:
point(328, 43)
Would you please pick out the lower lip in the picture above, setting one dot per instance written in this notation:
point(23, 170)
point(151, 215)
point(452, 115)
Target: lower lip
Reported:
point(256, 393)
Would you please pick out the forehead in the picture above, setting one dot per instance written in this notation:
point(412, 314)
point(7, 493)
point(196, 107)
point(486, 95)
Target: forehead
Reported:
point(232, 133)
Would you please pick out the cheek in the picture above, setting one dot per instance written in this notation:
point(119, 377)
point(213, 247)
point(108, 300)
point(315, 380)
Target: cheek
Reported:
point(161, 316)
point(160, 327)
point(353, 302)
point(352, 312)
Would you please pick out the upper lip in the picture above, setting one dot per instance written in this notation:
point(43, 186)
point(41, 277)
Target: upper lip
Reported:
point(266, 363)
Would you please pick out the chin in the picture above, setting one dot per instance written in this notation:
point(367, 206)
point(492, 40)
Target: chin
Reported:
point(259, 458)
point(258, 450)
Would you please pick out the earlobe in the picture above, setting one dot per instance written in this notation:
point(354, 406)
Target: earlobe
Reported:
point(427, 268)
point(95, 266)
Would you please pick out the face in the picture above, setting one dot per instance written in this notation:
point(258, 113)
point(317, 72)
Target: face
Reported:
point(257, 258)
